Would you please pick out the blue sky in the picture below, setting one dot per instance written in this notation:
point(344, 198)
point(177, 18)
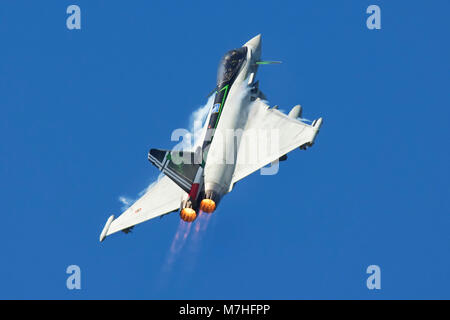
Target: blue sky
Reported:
point(81, 108)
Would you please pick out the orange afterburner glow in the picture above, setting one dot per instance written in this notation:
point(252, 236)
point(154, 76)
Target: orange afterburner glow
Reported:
point(207, 205)
point(188, 214)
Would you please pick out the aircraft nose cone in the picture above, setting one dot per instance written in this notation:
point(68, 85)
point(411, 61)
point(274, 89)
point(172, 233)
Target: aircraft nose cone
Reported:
point(254, 43)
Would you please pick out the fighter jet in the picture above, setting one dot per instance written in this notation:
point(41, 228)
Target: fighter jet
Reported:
point(195, 181)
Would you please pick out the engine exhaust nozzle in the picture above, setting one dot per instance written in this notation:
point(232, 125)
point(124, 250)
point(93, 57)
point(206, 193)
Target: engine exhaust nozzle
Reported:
point(188, 214)
point(208, 205)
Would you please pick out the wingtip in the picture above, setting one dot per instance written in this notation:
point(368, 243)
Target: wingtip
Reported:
point(106, 228)
point(319, 123)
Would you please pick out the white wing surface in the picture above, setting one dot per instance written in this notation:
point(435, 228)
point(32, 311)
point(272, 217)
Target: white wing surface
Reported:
point(161, 198)
point(269, 135)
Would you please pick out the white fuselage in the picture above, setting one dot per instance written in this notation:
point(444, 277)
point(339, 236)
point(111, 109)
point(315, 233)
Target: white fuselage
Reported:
point(221, 159)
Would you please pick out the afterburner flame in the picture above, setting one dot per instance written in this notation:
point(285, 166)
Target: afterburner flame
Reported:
point(188, 214)
point(207, 205)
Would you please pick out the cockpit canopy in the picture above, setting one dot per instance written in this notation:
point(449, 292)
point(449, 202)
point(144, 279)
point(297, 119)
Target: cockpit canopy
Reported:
point(230, 65)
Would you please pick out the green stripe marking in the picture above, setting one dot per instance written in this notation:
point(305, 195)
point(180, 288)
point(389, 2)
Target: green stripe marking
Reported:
point(221, 105)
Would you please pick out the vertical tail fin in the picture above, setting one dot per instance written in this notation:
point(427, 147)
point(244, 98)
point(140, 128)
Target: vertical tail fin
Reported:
point(180, 166)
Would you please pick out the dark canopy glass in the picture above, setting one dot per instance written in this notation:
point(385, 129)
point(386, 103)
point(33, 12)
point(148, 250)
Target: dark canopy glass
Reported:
point(230, 65)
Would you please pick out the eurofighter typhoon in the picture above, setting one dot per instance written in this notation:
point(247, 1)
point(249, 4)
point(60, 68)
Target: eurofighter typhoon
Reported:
point(195, 181)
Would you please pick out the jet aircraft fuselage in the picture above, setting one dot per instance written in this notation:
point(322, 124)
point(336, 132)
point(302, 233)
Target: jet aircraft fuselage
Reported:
point(237, 68)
